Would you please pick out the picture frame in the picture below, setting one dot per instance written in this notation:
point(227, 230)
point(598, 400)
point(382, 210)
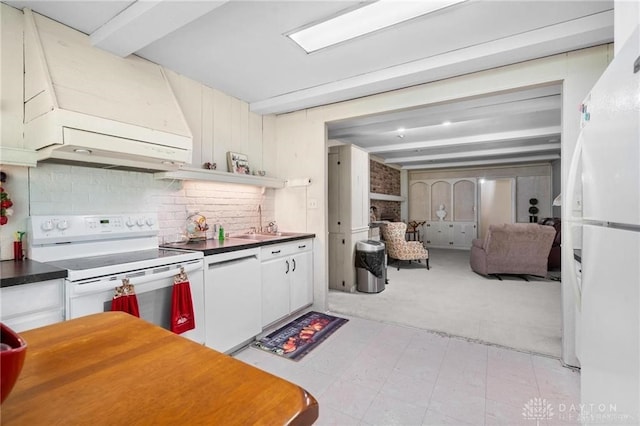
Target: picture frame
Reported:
point(238, 163)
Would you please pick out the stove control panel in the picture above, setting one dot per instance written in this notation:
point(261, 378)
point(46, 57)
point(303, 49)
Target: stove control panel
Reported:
point(71, 228)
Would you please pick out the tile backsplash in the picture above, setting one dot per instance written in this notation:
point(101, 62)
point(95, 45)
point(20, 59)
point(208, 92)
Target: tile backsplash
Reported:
point(62, 189)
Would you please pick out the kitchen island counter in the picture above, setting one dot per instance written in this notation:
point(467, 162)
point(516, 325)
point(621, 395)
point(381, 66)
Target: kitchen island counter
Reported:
point(113, 368)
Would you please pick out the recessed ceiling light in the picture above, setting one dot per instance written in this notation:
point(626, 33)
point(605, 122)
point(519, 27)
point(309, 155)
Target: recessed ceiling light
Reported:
point(82, 151)
point(446, 123)
point(364, 20)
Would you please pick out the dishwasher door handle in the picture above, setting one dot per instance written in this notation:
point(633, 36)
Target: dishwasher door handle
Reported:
point(222, 263)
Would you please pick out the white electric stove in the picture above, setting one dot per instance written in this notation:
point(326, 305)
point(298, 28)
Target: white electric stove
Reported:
point(99, 251)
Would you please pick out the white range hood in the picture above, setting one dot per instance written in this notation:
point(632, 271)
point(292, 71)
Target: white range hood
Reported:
point(87, 106)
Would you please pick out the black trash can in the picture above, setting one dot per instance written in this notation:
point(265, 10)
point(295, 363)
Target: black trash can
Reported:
point(371, 268)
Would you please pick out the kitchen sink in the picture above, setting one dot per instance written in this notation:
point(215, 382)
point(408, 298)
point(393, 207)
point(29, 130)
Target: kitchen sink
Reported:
point(265, 237)
point(256, 237)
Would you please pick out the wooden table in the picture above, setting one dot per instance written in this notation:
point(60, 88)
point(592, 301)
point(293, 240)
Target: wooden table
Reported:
point(113, 368)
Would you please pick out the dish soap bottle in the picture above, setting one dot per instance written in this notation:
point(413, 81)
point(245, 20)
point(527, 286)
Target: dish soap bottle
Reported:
point(221, 233)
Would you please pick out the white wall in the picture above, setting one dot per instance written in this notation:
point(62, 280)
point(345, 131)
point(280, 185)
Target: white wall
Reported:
point(304, 131)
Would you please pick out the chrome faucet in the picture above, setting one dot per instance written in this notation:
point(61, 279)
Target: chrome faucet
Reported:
point(260, 215)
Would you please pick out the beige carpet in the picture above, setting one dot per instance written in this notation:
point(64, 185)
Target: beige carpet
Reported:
point(452, 299)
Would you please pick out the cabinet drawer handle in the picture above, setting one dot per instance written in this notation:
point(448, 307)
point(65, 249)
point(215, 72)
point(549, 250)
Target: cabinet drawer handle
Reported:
point(294, 265)
point(302, 246)
point(287, 271)
point(276, 252)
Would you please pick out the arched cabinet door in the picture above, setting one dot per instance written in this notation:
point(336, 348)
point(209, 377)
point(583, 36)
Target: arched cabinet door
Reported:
point(419, 195)
point(440, 196)
point(464, 201)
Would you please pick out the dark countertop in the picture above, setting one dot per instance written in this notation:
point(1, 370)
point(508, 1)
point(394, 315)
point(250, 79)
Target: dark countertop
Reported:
point(210, 247)
point(27, 271)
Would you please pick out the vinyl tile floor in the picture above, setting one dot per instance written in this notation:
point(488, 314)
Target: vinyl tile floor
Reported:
point(372, 373)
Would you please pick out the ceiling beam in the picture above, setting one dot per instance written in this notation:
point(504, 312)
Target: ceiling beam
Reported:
point(562, 37)
point(435, 117)
point(144, 22)
point(531, 159)
point(481, 153)
point(467, 140)
point(549, 91)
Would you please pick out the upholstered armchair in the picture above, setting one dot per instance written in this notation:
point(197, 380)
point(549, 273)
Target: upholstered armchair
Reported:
point(513, 249)
point(398, 248)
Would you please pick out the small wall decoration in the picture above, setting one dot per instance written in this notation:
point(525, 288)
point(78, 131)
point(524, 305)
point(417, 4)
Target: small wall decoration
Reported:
point(533, 210)
point(238, 163)
point(5, 202)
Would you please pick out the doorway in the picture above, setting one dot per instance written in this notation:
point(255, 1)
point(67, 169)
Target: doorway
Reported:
point(497, 203)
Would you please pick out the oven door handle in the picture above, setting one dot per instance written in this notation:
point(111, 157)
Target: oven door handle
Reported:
point(93, 287)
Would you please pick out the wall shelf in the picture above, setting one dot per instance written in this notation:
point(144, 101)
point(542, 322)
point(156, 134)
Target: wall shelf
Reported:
point(386, 197)
point(225, 177)
point(11, 156)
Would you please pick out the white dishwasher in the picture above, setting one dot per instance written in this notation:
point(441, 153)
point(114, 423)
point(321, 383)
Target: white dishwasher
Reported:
point(233, 301)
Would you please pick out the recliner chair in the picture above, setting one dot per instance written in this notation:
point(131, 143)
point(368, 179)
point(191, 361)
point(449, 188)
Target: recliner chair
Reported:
point(555, 254)
point(513, 249)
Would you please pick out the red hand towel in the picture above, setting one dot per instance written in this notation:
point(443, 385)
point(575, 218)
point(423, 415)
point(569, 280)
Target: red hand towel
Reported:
point(125, 299)
point(126, 303)
point(182, 316)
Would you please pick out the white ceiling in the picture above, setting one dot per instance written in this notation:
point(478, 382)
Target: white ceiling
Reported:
point(239, 47)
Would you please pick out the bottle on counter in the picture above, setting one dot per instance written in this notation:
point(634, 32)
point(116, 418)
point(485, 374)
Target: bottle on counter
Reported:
point(220, 233)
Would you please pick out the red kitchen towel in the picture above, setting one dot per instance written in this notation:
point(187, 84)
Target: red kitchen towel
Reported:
point(125, 299)
point(182, 316)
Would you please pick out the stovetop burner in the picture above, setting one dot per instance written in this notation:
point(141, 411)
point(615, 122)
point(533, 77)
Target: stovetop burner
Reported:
point(119, 259)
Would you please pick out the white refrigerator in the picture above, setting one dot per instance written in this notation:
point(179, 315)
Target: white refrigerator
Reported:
point(608, 293)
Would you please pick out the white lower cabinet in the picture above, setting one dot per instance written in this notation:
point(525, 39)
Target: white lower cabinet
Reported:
point(287, 279)
point(443, 234)
point(232, 292)
point(33, 305)
point(301, 285)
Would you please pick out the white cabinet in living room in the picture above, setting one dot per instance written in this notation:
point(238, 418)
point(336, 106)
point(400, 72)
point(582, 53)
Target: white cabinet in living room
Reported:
point(287, 279)
point(463, 234)
point(33, 305)
point(348, 211)
point(443, 234)
point(438, 233)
